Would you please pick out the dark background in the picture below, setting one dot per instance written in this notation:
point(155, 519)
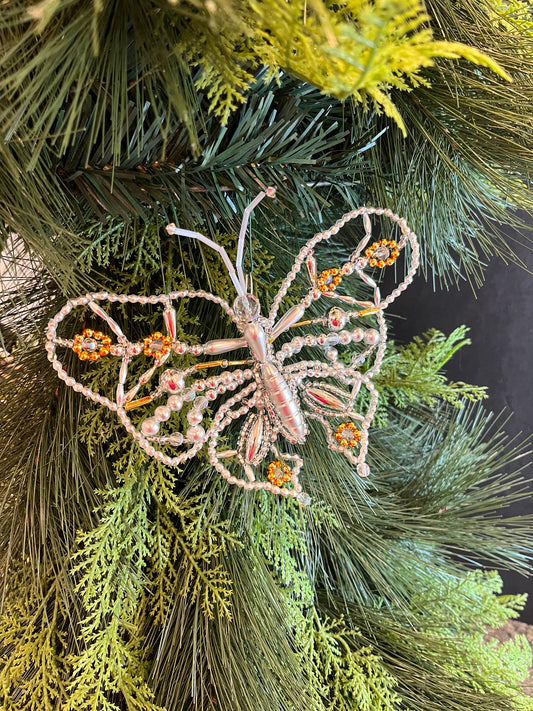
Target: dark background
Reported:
point(500, 317)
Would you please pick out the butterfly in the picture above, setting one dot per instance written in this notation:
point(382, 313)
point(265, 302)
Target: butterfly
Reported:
point(265, 398)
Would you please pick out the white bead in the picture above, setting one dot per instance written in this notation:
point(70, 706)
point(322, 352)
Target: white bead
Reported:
point(345, 337)
point(357, 335)
point(195, 417)
point(195, 434)
point(162, 413)
point(150, 427)
point(175, 402)
point(371, 337)
point(70, 382)
point(211, 395)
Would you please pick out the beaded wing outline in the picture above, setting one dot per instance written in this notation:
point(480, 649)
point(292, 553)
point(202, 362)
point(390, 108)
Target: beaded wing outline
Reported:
point(262, 399)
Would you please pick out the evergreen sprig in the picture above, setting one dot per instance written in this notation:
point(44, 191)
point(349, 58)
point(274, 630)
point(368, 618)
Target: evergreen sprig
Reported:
point(413, 373)
point(109, 565)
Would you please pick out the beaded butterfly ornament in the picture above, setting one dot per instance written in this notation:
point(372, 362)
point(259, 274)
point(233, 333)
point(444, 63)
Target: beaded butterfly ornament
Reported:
point(267, 397)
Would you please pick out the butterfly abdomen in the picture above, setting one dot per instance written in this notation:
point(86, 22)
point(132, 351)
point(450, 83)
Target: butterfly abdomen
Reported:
point(283, 401)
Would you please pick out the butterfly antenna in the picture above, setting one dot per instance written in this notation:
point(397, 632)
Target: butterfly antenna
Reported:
point(173, 230)
point(270, 192)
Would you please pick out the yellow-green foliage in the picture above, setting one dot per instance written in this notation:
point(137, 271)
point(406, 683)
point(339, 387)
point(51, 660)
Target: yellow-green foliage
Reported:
point(515, 17)
point(353, 49)
point(109, 565)
point(346, 676)
point(33, 664)
point(186, 559)
point(466, 607)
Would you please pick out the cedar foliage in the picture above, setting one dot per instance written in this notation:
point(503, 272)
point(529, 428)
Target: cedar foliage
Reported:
point(130, 586)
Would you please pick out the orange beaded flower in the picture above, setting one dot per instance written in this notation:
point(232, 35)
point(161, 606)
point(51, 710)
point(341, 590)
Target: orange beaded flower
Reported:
point(91, 345)
point(347, 434)
point(157, 345)
point(278, 473)
point(382, 253)
point(329, 280)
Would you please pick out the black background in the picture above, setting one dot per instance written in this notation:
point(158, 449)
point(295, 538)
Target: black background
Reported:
point(500, 318)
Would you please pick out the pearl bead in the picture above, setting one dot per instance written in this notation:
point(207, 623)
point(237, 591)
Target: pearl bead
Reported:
point(357, 335)
point(162, 413)
point(211, 395)
point(371, 337)
point(345, 337)
point(150, 427)
point(195, 434)
point(175, 402)
point(195, 417)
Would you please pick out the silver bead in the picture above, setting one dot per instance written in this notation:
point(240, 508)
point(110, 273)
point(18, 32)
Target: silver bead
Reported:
point(345, 337)
point(195, 434)
point(293, 315)
point(227, 378)
point(150, 427)
point(194, 417)
point(371, 337)
point(223, 345)
point(175, 402)
point(162, 413)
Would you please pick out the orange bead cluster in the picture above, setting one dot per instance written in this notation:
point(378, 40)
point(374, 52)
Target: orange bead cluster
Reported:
point(157, 345)
point(387, 244)
point(329, 280)
point(278, 473)
point(347, 434)
point(100, 342)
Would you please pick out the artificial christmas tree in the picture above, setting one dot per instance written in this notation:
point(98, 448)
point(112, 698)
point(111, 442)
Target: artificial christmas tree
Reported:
point(131, 584)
